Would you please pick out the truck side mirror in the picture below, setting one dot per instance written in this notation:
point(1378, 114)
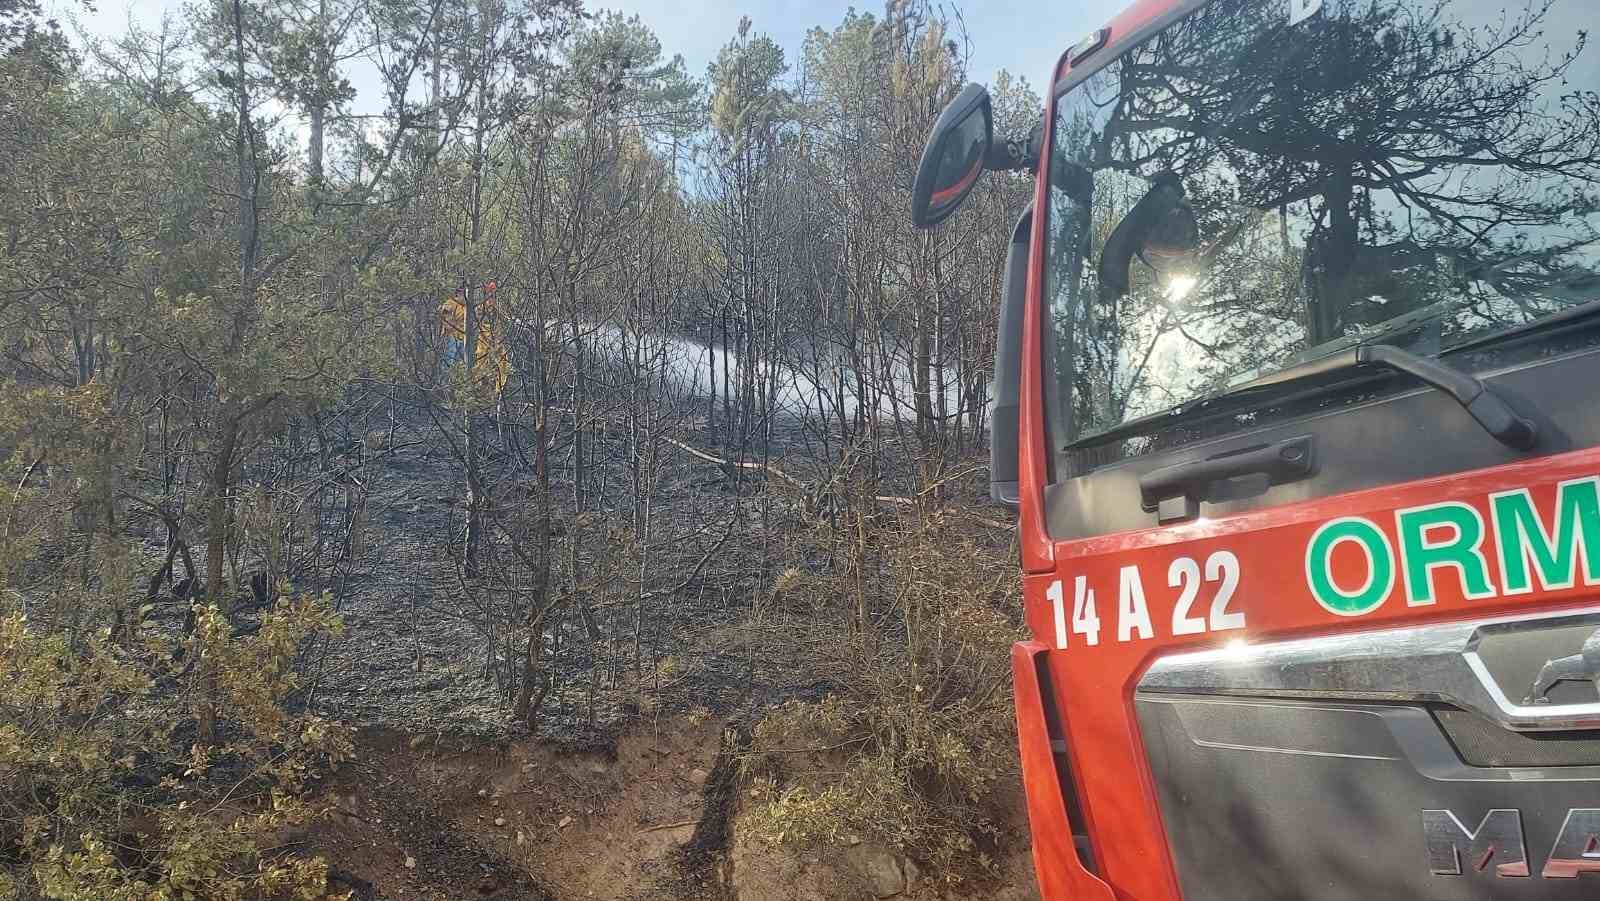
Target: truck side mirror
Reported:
point(954, 157)
point(1007, 405)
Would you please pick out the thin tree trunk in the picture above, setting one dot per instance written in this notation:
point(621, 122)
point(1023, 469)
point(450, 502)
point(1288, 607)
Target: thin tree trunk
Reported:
point(470, 549)
point(471, 546)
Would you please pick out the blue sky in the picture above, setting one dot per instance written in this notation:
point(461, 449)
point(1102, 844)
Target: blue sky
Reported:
point(1023, 37)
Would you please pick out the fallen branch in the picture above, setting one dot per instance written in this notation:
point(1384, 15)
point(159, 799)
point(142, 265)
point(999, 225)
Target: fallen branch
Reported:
point(760, 467)
point(958, 474)
point(773, 470)
point(896, 500)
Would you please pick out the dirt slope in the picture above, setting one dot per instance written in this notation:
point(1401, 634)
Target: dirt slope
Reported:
point(447, 819)
point(516, 819)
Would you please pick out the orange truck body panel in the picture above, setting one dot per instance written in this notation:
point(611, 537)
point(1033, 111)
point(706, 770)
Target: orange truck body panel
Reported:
point(1099, 753)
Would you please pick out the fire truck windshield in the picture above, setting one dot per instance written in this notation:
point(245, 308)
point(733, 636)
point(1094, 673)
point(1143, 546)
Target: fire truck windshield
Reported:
point(1265, 193)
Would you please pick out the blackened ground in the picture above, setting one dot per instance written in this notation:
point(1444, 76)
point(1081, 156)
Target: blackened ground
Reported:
point(426, 650)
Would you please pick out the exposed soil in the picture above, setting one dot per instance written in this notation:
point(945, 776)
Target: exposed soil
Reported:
point(517, 819)
point(650, 816)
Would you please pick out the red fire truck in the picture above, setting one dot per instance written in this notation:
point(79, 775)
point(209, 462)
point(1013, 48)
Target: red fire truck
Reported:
point(1297, 398)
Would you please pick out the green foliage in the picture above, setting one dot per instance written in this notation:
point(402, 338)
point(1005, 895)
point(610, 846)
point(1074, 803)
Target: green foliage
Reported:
point(748, 103)
point(618, 69)
point(26, 33)
point(910, 750)
point(102, 804)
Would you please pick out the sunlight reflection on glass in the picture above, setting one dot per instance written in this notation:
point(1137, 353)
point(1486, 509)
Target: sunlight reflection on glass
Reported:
point(1179, 287)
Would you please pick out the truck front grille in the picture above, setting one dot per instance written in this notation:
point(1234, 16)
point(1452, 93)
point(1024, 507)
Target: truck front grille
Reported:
point(1483, 743)
point(1434, 762)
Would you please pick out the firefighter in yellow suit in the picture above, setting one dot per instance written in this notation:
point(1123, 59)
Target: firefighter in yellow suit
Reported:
point(492, 365)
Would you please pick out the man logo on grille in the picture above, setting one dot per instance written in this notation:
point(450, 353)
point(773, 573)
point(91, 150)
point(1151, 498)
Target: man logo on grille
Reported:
point(1499, 847)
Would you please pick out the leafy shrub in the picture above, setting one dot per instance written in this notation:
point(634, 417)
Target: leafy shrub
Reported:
point(105, 799)
point(911, 746)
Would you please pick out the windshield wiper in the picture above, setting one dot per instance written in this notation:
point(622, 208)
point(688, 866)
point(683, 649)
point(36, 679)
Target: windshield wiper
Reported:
point(1480, 401)
point(1477, 398)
